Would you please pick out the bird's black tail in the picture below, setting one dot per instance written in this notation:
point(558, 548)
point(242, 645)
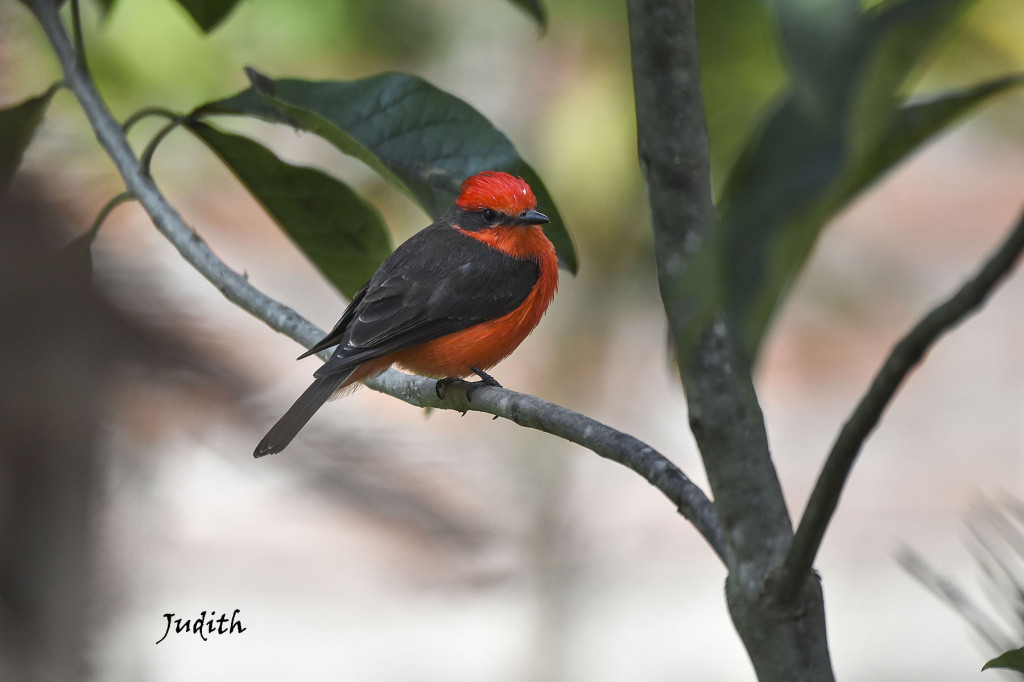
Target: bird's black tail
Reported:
point(282, 433)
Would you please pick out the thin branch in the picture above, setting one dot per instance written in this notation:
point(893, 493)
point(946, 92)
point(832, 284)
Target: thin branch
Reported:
point(904, 357)
point(104, 212)
point(146, 159)
point(526, 410)
point(130, 122)
point(534, 413)
point(110, 135)
point(76, 27)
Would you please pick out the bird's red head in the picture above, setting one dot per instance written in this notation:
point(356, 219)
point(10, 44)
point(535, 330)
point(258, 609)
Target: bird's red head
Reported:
point(497, 191)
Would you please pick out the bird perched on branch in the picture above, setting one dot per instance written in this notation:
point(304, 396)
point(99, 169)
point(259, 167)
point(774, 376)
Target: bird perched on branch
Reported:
point(454, 300)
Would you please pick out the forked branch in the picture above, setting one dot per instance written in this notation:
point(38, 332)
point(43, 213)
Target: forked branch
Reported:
point(904, 357)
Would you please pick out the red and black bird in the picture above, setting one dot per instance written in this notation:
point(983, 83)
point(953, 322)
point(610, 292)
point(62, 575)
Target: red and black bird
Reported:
point(453, 300)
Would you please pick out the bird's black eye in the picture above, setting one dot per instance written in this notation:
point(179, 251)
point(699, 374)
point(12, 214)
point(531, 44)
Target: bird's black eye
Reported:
point(488, 215)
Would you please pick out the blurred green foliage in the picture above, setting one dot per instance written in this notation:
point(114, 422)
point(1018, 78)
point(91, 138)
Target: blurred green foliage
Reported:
point(207, 14)
point(841, 122)
point(742, 71)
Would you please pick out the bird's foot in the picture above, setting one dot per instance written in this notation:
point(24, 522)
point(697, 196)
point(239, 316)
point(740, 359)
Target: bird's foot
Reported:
point(441, 385)
point(485, 380)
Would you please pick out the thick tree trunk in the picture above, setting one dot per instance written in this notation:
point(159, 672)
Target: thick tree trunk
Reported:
point(785, 641)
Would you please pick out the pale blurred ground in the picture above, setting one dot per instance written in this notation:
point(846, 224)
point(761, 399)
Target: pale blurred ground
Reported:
point(389, 546)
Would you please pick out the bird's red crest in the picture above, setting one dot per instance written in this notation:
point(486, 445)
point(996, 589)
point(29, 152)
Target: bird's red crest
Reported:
point(497, 191)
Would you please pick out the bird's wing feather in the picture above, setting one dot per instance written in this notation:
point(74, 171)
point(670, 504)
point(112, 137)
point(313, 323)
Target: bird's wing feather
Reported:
point(438, 282)
point(334, 337)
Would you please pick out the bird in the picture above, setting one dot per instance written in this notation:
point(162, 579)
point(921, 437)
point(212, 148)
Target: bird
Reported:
point(450, 302)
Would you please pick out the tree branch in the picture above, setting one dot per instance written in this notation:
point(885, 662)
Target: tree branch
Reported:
point(675, 159)
point(785, 641)
point(535, 413)
point(525, 410)
point(904, 357)
point(191, 246)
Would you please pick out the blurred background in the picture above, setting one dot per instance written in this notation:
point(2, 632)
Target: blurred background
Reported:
point(387, 544)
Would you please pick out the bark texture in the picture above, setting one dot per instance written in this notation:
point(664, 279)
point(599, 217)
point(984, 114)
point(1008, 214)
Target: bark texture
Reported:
point(785, 639)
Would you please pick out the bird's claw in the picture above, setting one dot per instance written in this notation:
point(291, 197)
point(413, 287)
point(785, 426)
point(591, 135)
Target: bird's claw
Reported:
point(441, 385)
point(485, 378)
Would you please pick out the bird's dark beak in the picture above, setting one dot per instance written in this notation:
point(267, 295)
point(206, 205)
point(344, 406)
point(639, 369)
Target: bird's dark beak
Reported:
point(532, 217)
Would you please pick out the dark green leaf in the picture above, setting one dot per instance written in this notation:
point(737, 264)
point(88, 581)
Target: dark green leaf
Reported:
point(822, 42)
point(913, 124)
point(769, 213)
point(741, 73)
point(535, 8)
point(105, 6)
point(340, 233)
point(1011, 660)
point(900, 34)
point(421, 139)
point(791, 182)
point(17, 125)
point(208, 13)
point(815, 152)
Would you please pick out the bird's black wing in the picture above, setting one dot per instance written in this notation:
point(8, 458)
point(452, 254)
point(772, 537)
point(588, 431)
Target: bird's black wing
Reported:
point(335, 336)
point(438, 282)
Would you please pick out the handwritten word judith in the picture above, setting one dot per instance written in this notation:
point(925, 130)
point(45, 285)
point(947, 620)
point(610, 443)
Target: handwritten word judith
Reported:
point(204, 625)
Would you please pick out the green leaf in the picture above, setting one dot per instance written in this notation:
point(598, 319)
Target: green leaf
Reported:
point(741, 73)
point(207, 13)
point(839, 128)
point(1011, 660)
point(105, 6)
point(791, 182)
point(421, 139)
point(901, 33)
point(342, 235)
point(17, 126)
point(822, 41)
point(535, 8)
point(770, 214)
point(913, 124)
